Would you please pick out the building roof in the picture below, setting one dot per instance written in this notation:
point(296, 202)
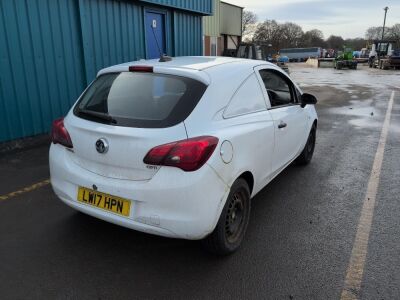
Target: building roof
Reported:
point(203, 7)
point(241, 7)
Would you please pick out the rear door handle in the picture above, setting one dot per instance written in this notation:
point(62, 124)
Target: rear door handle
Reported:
point(282, 125)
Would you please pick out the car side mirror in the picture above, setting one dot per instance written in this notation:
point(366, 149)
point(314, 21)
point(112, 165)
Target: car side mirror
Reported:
point(307, 99)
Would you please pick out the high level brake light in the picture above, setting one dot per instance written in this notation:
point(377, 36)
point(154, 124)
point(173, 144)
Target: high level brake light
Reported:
point(59, 134)
point(188, 155)
point(145, 69)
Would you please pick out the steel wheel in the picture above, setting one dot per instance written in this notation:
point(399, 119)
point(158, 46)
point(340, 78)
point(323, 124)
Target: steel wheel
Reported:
point(311, 143)
point(232, 224)
point(308, 151)
point(235, 217)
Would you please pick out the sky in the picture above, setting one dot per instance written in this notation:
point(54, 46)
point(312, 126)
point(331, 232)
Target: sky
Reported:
point(347, 18)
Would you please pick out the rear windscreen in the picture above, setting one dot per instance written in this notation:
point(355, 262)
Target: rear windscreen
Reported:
point(146, 100)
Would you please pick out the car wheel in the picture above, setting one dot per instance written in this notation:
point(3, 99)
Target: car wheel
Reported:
point(306, 155)
point(232, 224)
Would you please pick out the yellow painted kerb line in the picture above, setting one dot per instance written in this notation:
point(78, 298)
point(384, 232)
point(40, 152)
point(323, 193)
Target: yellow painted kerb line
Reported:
point(356, 265)
point(25, 190)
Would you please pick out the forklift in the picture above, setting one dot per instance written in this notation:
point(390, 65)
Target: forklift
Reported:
point(383, 55)
point(345, 59)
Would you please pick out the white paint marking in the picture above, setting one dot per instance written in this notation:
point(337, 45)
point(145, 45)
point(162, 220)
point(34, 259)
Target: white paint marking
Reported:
point(355, 270)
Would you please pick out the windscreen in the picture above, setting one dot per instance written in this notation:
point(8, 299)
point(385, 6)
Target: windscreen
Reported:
point(140, 99)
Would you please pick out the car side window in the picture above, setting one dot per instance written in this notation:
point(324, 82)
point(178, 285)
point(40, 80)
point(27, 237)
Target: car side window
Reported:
point(280, 90)
point(247, 99)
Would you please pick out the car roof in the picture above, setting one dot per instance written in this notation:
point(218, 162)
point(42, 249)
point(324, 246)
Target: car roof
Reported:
point(191, 66)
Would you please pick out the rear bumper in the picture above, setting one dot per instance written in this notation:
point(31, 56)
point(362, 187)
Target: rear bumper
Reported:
point(173, 203)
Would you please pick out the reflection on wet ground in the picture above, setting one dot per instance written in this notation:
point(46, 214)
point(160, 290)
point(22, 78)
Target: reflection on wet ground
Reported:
point(363, 76)
point(362, 88)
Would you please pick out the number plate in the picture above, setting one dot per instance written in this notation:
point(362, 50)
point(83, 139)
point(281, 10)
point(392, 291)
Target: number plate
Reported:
point(104, 201)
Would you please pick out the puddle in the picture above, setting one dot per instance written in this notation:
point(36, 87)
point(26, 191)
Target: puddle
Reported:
point(365, 123)
point(364, 77)
point(364, 109)
point(371, 123)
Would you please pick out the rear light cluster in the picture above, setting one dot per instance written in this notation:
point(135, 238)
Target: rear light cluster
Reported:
point(60, 135)
point(188, 155)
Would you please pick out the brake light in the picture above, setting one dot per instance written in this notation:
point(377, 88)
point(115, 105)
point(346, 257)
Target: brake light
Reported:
point(60, 135)
point(146, 69)
point(188, 155)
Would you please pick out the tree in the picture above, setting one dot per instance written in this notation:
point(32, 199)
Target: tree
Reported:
point(248, 18)
point(374, 33)
point(356, 44)
point(291, 35)
point(335, 42)
point(268, 32)
point(313, 38)
point(395, 32)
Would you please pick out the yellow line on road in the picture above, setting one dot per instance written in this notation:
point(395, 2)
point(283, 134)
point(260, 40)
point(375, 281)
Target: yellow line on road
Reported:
point(356, 265)
point(25, 190)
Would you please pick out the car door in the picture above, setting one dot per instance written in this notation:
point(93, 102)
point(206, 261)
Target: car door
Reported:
point(289, 118)
point(250, 128)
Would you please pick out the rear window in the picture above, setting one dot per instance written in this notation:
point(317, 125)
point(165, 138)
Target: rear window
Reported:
point(134, 99)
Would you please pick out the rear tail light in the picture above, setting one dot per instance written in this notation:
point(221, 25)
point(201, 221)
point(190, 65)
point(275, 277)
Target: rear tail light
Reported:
point(188, 155)
point(59, 134)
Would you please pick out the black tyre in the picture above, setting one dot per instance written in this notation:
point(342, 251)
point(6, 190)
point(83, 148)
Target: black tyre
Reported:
point(306, 155)
point(232, 224)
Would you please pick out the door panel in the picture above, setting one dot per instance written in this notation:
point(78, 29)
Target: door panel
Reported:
point(290, 120)
point(155, 34)
point(290, 125)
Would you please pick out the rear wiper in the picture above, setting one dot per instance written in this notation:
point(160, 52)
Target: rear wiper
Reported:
point(98, 115)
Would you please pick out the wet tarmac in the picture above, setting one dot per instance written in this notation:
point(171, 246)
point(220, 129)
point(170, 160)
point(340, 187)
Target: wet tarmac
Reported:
point(299, 239)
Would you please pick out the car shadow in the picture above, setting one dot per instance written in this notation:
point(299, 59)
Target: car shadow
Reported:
point(141, 261)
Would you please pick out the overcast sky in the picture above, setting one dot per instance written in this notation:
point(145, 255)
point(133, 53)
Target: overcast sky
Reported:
point(348, 18)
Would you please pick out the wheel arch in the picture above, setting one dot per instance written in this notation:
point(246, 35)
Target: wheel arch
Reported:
point(249, 178)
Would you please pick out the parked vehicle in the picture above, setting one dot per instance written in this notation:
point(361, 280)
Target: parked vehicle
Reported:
point(383, 55)
point(283, 59)
point(364, 53)
point(345, 59)
point(301, 54)
point(179, 148)
point(254, 51)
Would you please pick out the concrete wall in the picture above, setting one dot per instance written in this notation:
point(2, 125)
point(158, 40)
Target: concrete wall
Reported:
point(320, 63)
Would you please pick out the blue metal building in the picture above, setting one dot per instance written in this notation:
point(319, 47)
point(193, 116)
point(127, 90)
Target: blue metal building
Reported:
point(51, 49)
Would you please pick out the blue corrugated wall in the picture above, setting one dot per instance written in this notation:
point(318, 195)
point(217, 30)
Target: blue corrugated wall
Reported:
point(187, 34)
point(51, 49)
point(41, 63)
point(112, 33)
